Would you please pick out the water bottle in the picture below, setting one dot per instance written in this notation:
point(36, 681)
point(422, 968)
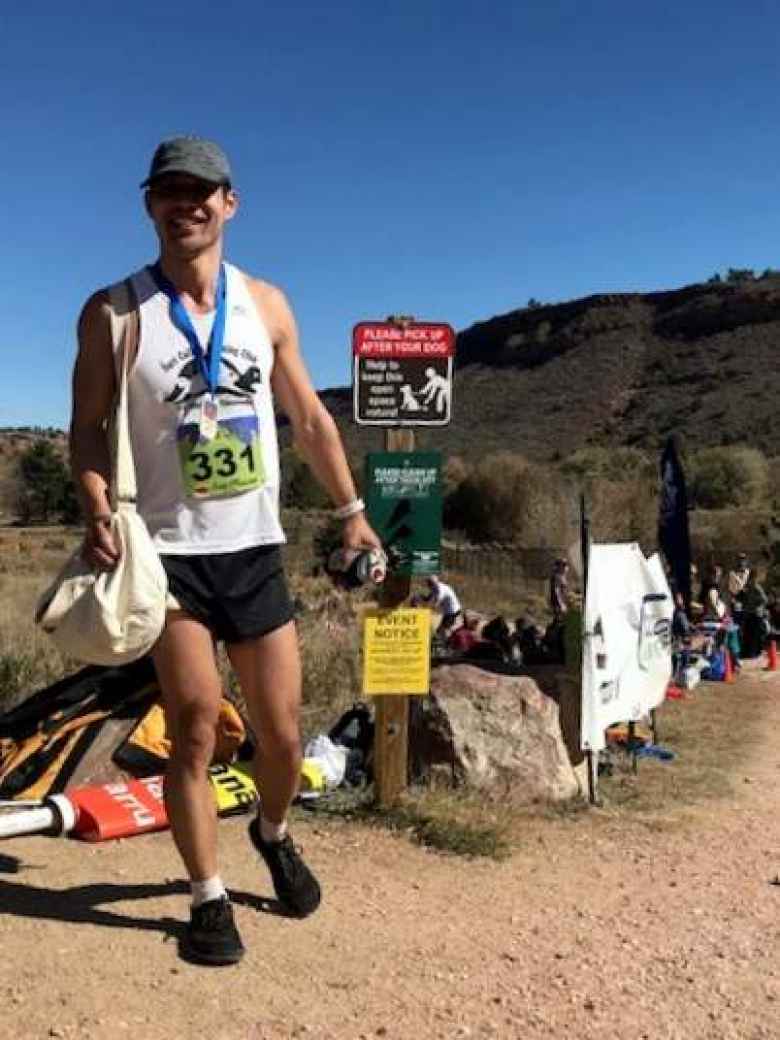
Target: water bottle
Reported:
point(355, 567)
point(371, 566)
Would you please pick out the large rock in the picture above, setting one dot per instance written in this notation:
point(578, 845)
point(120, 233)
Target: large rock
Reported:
point(491, 731)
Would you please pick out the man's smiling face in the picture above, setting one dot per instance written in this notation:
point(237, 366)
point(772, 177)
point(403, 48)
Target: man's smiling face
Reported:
point(189, 213)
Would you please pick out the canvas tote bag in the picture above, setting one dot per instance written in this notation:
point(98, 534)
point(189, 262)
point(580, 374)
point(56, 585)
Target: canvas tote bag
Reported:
point(112, 617)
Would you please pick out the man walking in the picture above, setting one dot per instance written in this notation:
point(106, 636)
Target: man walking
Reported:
point(216, 347)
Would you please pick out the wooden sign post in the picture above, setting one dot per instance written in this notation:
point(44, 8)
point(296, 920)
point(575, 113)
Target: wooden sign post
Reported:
point(391, 735)
point(402, 377)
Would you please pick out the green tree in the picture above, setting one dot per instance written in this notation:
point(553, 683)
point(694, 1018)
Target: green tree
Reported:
point(740, 274)
point(721, 478)
point(71, 507)
point(46, 490)
point(615, 464)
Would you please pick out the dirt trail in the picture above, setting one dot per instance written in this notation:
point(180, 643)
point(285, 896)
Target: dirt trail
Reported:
point(595, 929)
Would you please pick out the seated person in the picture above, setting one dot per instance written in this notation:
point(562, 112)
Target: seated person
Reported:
point(682, 630)
point(528, 643)
point(466, 636)
point(710, 595)
point(756, 625)
point(497, 635)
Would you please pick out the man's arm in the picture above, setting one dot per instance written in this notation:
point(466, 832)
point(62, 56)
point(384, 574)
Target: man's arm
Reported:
point(428, 391)
point(314, 429)
point(94, 386)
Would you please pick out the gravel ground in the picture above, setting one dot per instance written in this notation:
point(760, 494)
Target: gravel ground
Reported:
point(599, 926)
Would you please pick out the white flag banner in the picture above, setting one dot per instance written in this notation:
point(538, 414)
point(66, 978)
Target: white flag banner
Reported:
point(626, 650)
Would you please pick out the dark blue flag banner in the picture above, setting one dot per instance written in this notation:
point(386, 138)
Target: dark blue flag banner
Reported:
point(673, 534)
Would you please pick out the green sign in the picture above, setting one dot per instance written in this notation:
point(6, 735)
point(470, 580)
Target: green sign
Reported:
point(404, 503)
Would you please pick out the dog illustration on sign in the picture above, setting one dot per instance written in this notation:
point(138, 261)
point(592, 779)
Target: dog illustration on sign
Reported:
point(409, 402)
point(436, 391)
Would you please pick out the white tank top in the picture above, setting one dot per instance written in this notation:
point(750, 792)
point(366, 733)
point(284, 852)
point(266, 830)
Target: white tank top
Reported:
point(196, 496)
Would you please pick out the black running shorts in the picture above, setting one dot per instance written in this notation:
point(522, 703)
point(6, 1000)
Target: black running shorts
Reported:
point(237, 595)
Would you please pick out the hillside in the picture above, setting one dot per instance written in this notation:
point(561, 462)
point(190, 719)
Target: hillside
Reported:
point(612, 370)
point(609, 370)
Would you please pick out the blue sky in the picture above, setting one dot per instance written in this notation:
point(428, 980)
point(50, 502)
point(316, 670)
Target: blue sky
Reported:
point(448, 160)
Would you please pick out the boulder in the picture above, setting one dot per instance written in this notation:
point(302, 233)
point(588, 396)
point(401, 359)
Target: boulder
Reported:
point(491, 732)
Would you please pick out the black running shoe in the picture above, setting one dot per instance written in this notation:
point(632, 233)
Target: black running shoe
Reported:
point(211, 936)
point(296, 887)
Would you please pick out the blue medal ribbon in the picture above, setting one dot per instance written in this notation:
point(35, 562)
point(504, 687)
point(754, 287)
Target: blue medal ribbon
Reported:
point(208, 364)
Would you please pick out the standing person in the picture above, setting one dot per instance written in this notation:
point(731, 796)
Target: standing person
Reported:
point(755, 617)
point(443, 598)
point(696, 606)
point(216, 347)
point(737, 580)
point(559, 589)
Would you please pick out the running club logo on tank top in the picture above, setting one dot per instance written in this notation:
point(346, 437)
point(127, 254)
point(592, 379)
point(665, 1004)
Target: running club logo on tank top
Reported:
point(218, 434)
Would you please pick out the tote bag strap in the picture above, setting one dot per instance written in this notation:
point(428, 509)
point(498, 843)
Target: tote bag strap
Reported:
point(125, 332)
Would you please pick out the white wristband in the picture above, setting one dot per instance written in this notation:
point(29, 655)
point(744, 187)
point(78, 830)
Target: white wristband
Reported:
point(357, 505)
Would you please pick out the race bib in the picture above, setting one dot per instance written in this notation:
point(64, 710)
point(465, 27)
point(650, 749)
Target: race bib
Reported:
point(229, 463)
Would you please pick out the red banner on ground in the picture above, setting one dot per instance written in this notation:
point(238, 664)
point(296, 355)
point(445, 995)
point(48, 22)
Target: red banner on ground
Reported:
point(119, 810)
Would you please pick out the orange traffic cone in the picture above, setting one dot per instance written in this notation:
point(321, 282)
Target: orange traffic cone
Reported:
point(728, 675)
point(771, 656)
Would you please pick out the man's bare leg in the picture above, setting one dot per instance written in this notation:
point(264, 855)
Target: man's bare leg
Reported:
point(269, 671)
point(191, 687)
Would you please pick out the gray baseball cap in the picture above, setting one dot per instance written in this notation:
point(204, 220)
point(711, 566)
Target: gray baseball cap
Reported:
point(191, 155)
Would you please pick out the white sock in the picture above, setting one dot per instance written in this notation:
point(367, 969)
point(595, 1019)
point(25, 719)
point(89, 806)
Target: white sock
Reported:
point(203, 891)
point(271, 832)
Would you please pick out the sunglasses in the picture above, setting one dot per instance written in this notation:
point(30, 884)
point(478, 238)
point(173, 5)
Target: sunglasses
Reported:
point(191, 190)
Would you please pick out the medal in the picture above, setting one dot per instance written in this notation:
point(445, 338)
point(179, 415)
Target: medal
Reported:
point(207, 427)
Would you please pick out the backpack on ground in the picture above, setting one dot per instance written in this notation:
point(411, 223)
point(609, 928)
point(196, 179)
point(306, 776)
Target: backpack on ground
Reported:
point(64, 734)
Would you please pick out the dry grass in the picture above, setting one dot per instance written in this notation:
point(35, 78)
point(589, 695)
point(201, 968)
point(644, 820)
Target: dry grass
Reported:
point(29, 660)
point(712, 733)
point(456, 822)
point(491, 595)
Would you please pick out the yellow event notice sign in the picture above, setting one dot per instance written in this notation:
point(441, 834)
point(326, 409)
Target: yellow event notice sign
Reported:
point(396, 651)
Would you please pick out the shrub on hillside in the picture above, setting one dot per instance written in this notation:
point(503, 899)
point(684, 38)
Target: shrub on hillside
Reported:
point(610, 463)
point(624, 510)
point(722, 478)
point(773, 470)
point(454, 472)
point(300, 489)
point(326, 536)
point(508, 499)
